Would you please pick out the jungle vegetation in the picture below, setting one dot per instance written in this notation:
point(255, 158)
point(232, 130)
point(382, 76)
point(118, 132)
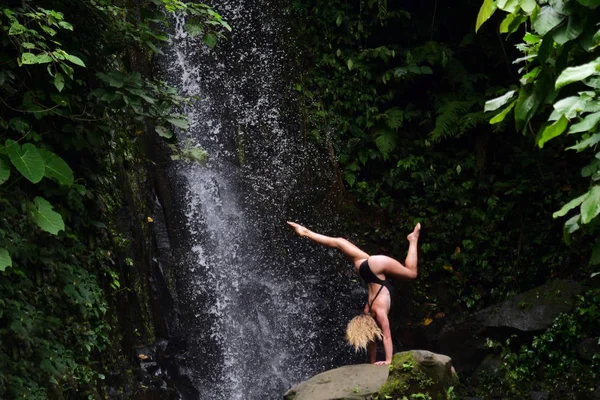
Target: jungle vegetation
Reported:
point(477, 119)
point(76, 93)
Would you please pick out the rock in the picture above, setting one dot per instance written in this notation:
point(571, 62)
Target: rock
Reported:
point(528, 312)
point(415, 371)
point(350, 382)
point(419, 371)
point(539, 395)
point(587, 348)
point(490, 367)
point(155, 394)
point(534, 310)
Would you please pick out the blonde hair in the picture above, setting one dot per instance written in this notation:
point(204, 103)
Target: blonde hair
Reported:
point(361, 330)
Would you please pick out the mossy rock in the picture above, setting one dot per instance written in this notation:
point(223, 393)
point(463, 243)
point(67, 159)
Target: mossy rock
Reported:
point(418, 371)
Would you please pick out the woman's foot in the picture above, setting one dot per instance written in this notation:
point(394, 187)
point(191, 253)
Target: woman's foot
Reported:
point(414, 235)
point(299, 229)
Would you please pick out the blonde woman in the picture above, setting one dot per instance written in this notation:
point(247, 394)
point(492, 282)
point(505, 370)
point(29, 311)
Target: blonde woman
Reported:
point(377, 271)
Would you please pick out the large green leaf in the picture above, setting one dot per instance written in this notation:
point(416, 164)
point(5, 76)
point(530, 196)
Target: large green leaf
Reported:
point(5, 260)
point(546, 20)
point(500, 117)
point(485, 12)
point(498, 102)
point(569, 31)
point(569, 107)
point(210, 39)
point(4, 170)
point(179, 122)
point(588, 123)
point(510, 6)
point(27, 160)
point(163, 132)
point(584, 144)
point(552, 131)
point(590, 208)
point(569, 206)
point(527, 5)
point(579, 73)
point(113, 78)
point(46, 218)
point(57, 168)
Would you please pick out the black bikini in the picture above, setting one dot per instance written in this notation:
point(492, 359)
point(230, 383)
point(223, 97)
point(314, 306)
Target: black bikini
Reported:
point(369, 277)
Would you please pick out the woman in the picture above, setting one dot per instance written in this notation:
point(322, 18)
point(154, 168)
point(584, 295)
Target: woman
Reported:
point(375, 270)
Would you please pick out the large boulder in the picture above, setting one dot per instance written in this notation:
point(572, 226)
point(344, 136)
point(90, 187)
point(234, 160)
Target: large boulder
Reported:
point(415, 371)
point(527, 313)
point(419, 371)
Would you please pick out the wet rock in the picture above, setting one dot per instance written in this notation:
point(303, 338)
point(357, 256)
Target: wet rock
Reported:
point(415, 371)
point(539, 395)
point(527, 313)
point(350, 382)
point(155, 394)
point(587, 348)
point(419, 371)
point(490, 367)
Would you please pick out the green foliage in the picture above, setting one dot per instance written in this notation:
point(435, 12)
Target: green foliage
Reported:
point(561, 61)
point(407, 132)
point(549, 361)
point(72, 107)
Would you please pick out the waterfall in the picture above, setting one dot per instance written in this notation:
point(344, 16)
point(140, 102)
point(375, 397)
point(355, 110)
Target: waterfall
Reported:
point(261, 309)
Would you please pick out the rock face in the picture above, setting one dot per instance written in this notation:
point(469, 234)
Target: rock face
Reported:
point(349, 382)
point(415, 371)
point(419, 371)
point(528, 312)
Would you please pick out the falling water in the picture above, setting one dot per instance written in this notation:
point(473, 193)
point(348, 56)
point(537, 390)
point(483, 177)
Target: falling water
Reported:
point(262, 309)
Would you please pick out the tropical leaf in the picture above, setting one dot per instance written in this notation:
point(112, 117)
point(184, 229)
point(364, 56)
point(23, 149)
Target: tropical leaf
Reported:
point(546, 20)
point(569, 206)
point(552, 131)
point(5, 260)
point(588, 123)
point(528, 5)
point(569, 31)
point(4, 170)
point(27, 160)
point(485, 12)
point(579, 73)
point(569, 107)
point(590, 208)
point(591, 141)
point(498, 102)
point(179, 122)
point(57, 168)
point(500, 116)
point(46, 218)
point(164, 132)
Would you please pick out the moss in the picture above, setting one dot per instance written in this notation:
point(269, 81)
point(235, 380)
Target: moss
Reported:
point(407, 377)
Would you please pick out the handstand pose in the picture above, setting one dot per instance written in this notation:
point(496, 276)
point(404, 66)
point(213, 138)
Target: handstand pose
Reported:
point(375, 270)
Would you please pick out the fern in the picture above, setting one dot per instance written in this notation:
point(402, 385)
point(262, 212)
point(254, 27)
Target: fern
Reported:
point(395, 118)
point(386, 143)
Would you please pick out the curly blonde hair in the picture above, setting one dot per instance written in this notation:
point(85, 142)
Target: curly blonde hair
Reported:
point(361, 330)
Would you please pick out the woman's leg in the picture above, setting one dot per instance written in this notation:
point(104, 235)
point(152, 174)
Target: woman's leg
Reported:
point(353, 253)
point(392, 268)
